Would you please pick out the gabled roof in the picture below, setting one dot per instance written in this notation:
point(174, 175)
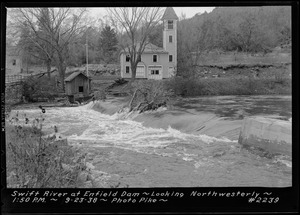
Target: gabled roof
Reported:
point(73, 75)
point(169, 14)
point(149, 48)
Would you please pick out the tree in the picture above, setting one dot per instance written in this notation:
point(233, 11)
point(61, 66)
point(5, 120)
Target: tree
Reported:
point(90, 38)
point(78, 50)
point(246, 32)
point(251, 29)
point(135, 23)
point(156, 36)
point(46, 51)
point(30, 45)
point(90, 34)
point(25, 48)
point(193, 40)
point(53, 29)
point(108, 42)
point(250, 35)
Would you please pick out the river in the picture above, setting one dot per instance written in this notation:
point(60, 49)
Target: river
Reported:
point(192, 144)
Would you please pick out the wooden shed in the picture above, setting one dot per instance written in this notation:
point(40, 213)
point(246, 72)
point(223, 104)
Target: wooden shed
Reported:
point(78, 85)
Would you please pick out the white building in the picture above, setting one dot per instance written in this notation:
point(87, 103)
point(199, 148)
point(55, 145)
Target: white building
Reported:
point(156, 62)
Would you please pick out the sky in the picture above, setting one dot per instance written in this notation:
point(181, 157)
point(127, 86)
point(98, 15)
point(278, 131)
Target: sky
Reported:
point(188, 11)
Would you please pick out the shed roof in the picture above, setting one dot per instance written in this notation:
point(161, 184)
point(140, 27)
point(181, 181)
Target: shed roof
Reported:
point(73, 75)
point(169, 14)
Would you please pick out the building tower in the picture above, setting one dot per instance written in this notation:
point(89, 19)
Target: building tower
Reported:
point(170, 38)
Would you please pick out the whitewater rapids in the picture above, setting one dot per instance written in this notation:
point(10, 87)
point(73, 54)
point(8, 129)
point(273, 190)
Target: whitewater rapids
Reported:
point(142, 156)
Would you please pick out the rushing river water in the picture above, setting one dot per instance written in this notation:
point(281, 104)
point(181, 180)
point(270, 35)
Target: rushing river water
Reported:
point(194, 144)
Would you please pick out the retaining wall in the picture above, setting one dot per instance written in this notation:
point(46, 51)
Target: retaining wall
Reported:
point(271, 135)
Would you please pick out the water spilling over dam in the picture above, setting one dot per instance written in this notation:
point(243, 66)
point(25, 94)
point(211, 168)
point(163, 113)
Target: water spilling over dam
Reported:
point(183, 147)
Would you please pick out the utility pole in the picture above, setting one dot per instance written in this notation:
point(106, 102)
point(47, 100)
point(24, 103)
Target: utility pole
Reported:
point(87, 59)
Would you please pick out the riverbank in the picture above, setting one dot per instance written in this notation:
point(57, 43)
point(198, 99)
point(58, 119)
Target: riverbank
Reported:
point(196, 86)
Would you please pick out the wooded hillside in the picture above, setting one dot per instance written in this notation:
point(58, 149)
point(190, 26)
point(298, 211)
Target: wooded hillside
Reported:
point(234, 29)
point(248, 29)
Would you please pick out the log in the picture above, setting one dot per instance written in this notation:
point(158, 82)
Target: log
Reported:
point(138, 106)
point(133, 96)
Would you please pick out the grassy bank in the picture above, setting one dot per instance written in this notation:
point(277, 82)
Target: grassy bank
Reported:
point(34, 161)
point(229, 86)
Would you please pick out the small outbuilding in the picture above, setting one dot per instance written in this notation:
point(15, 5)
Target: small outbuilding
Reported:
point(77, 85)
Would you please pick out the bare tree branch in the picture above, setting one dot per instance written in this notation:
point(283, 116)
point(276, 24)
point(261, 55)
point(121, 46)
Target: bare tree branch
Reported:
point(136, 22)
point(52, 30)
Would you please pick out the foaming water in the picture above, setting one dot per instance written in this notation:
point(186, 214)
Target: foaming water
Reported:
point(205, 157)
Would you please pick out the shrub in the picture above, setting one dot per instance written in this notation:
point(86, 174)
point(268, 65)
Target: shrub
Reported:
point(13, 94)
point(281, 75)
point(233, 86)
point(117, 82)
point(227, 86)
point(185, 86)
point(149, 95)
point(100, 94)
point(35, 88)
point(34, 161)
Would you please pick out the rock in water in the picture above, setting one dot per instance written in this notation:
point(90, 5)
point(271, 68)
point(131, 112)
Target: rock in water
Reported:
point(271, 135)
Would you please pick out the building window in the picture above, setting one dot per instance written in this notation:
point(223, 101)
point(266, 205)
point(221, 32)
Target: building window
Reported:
point(14, 62)
point(154, 58)
point(154, 69)
point(127, 69)
point(154, 72)
point(170, 39)
point(170, 24)
point(80, 89)
point(170, 58)
point(127, 58)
